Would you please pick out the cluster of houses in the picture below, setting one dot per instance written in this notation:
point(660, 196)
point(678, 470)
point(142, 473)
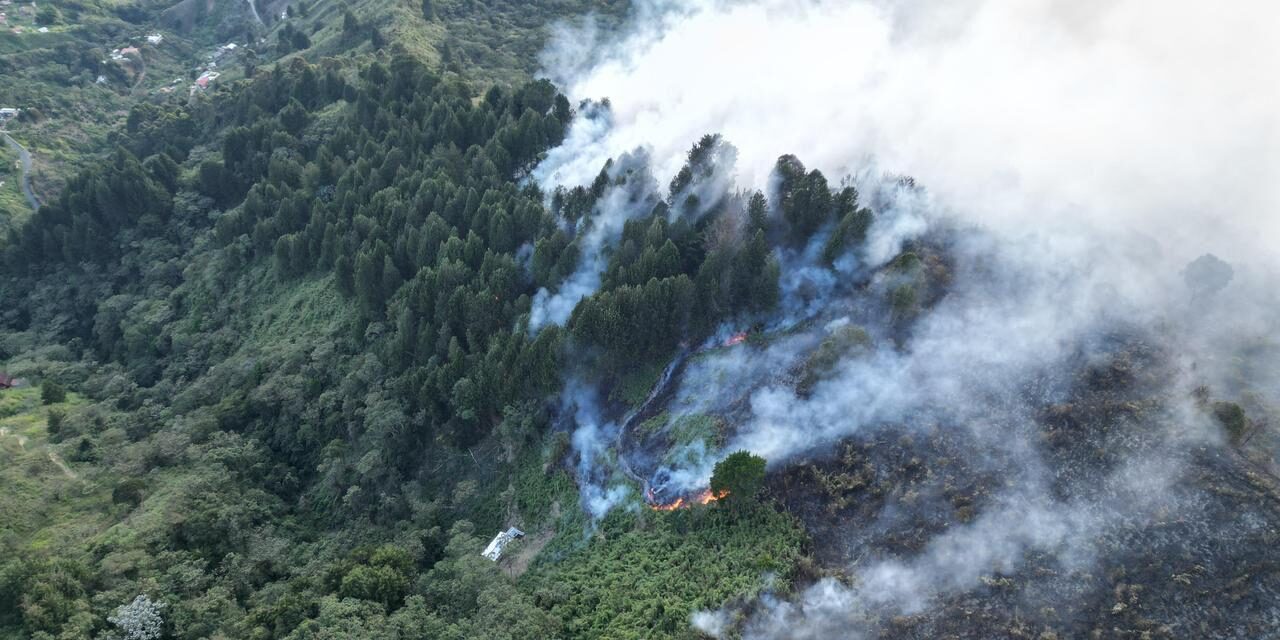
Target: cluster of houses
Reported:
point(209, 72)
point(129, 51)
point(25, 12)
point(120, 54)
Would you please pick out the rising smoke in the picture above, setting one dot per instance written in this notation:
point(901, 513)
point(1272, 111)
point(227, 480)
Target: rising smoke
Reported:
point(1075, 156)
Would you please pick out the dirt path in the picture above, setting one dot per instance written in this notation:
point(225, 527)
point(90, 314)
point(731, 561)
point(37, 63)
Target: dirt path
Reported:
point(57, 460)
point(53, 457)
point(24, 157)
point(517, 564)
point(22, 440)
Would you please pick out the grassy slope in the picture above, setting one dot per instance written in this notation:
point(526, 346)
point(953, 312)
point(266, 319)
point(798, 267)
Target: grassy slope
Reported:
point(48, 502)
point(13, 207)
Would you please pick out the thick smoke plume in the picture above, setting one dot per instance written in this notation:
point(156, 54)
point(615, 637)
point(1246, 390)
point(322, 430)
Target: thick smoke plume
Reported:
point(631, 193)
point(1135, 114)
point(1075, 156)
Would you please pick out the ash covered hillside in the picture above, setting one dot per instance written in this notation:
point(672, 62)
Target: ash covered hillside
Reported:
point(981, 435)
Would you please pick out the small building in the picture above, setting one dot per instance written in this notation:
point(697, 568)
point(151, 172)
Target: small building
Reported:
point(224, 50)
point(154, 38)
point(205, 78)
point(500, 542)
point(130, 51)
point(7, 381)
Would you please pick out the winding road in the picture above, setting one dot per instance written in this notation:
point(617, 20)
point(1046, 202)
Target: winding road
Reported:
point(253, 6)
point(24, 157)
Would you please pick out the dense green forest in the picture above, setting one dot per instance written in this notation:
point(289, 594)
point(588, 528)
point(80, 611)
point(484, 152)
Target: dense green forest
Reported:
point(292, 319)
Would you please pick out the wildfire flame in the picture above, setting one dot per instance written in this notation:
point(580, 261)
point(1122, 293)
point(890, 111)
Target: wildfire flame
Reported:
point(703, 497)
point(737, 338)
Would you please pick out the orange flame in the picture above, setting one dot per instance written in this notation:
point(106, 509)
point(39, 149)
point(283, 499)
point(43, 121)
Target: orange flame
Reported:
point(703, 497)
point(737, 338)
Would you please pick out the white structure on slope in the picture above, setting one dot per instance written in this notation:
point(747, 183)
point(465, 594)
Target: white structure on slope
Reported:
point(500, 542)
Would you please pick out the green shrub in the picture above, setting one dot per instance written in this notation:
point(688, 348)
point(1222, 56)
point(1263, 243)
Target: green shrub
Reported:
point(1232, 418)
point(128, 492)
point(903, 300)
point(51, 392)
point(54, 422)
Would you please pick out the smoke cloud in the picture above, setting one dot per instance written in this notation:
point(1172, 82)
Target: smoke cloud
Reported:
point(1131, 115)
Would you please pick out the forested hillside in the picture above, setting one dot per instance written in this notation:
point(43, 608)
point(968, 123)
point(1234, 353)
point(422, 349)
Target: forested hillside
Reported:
point(294, 319)
point(281, 355)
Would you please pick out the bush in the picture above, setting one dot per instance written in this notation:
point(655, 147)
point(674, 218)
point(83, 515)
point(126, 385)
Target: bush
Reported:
point(128, 492)
point(84, 451)
point(52, 393)
point(54, 422)
point(1232, 418)
point(48, 16)
point(903, 300)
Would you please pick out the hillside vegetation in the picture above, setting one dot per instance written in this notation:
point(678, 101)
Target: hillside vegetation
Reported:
point(293, 316)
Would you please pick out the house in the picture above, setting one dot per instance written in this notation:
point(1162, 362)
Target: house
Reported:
point(130, 50)
point(206, 77)
point(224, 50)
point(7, 381)
point(500, 542)
point(155, 38)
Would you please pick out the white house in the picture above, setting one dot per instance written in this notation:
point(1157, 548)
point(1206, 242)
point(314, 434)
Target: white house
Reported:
point(500, 542)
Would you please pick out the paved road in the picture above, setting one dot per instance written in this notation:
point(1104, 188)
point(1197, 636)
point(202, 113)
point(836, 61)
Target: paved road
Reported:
point(25, 157)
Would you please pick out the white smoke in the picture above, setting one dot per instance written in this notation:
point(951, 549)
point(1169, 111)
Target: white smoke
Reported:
point(1100, 145)
point(593, 438)
point(635, 197)
point(1132, 114)
point(1024, 521)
